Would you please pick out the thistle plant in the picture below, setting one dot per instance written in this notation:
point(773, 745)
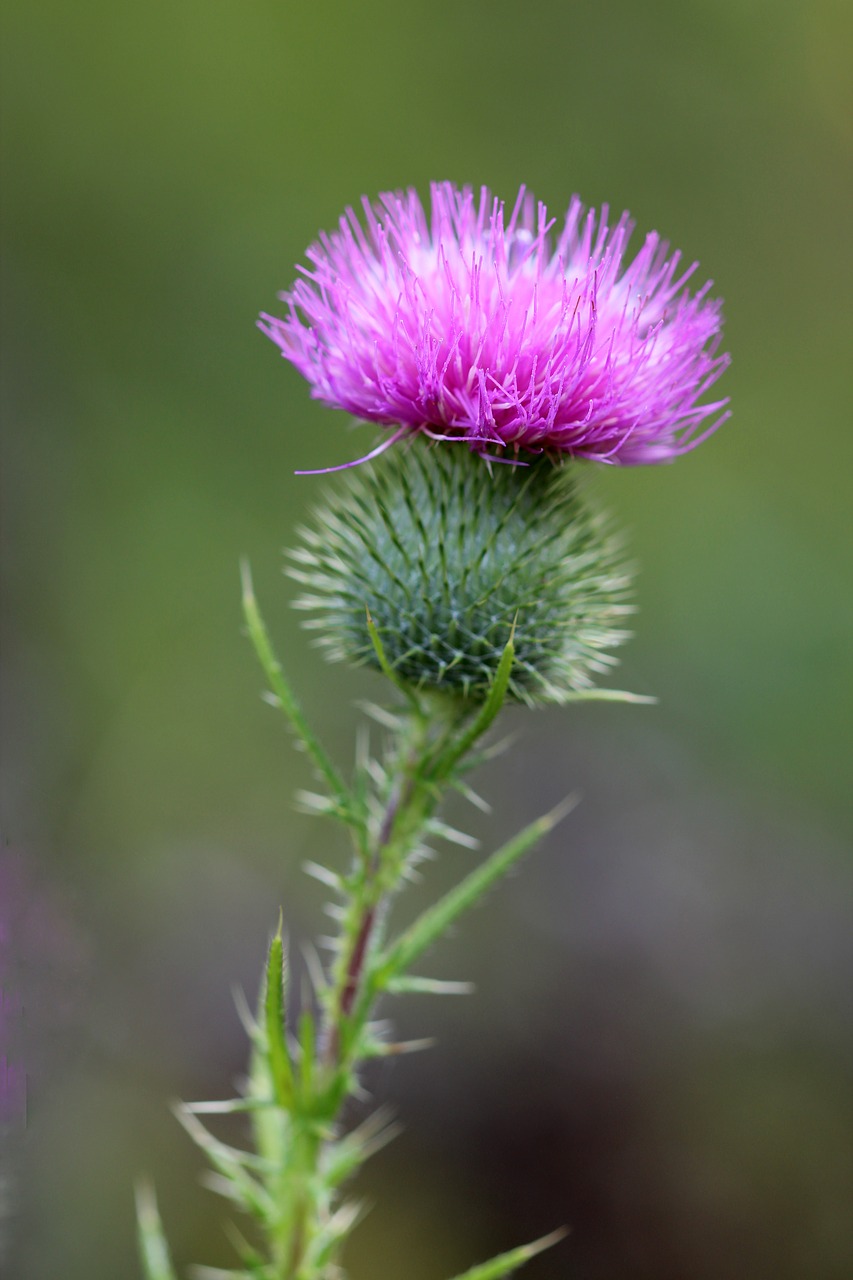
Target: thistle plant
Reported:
point(464, 563)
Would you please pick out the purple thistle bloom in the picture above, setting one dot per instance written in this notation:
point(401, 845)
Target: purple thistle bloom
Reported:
point(469, 327)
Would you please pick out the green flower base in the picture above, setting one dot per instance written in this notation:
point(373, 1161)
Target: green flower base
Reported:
point(447, 555)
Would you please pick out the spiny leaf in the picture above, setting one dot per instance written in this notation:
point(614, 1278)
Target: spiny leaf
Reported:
point(436, 919)
point(274, 1017)
point(283, 692)
point(506, 1263)
point(481, 722)
point(379, 649)
point(269, 1122)
point(153, 1248)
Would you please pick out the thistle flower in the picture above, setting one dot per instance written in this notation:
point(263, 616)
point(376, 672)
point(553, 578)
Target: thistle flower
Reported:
point(504, 335)
point(449, 561)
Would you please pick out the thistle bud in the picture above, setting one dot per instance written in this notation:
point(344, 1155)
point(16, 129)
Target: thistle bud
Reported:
point(449, 555)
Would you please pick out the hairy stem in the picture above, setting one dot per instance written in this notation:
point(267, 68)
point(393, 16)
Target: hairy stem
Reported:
point(410, 801)
point(433, 735)
point(376, 878)
point(307, 1054)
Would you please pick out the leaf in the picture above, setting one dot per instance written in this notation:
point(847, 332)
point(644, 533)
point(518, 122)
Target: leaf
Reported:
point(153, 1248)
point(285, 697)
point(506, 1263)
point(281, 1069)
point(436, 919)
point(442, 766)
point(269, 1122)
point(381, 657)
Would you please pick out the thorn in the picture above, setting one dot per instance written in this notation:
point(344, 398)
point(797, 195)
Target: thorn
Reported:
point(229, 1107)
point(325, 875)
point(547, 1242)
point(380, 714)
point(406, 1046)
point(560, 811)
point(453, 835)
point(246, 580)
point(146, 1203)
point(314, 966)
point(244, 1013)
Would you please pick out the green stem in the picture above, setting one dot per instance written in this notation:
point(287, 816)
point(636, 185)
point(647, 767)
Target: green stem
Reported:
point(301, 1088)
point(378, 879)
point(304, 1064)
point(434, 736)
point(298, 1184)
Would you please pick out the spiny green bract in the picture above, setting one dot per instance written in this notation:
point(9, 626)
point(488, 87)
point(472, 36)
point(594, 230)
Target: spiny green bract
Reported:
point(447, 552)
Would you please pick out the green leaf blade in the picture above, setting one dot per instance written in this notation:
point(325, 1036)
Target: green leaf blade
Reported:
point(506, 1263)
point(438, 918)
point(275, 1012)
point(153, 1247)
point(284, 695)
point(387, 670)
point(442, 767)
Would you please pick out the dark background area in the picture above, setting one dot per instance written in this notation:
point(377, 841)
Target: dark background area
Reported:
point(659, 1051)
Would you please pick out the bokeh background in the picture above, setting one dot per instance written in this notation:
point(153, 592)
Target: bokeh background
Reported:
point(659, 1053)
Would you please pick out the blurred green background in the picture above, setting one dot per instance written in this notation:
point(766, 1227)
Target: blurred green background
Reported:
point(659, 1052)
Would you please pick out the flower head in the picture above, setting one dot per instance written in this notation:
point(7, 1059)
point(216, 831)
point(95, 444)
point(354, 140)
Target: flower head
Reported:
point(504, 333)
